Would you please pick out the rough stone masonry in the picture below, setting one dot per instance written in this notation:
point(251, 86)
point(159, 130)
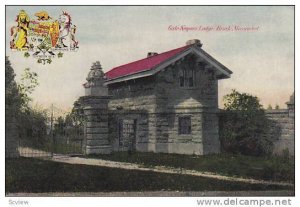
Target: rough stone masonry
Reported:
point(170, 106)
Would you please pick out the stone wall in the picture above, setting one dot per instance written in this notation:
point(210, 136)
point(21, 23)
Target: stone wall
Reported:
point(136, 94)
point(284, 126)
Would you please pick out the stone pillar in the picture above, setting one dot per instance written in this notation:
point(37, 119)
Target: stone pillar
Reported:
point(96, 125)
point(95, 108)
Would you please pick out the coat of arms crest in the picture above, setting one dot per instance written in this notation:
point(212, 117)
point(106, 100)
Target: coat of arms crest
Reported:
point(42, 36)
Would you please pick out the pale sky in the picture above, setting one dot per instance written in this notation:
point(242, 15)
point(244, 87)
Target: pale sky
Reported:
point(262, 61)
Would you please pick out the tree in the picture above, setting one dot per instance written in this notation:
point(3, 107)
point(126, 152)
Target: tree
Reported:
point(75, 119)
point(31, 122)
point(32, 127)
point(12, 106)
point(59, 126)
point(12, 95)
point(277, 106)
point(29, 81)
point(76, 114)
point(242, 102)
point(269, 107)
point(18, 95)
point(243, 125)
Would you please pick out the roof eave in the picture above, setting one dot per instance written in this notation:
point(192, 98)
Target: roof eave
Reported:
point(140, 74)
point(225, 72)
point(212, 61)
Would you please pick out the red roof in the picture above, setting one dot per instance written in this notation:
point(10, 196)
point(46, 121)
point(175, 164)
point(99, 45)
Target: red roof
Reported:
point(143, 64)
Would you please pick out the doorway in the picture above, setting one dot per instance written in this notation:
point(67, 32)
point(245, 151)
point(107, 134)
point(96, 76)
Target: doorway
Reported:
point(127, 134)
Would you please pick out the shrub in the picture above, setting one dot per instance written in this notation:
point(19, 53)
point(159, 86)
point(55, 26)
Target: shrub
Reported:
point(244, 128)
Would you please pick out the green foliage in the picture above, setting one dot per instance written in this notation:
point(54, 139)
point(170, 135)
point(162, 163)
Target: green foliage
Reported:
point(59, 126)
point(76, 117)
point(44, 61)
point(274, 168)
point(26, 54)
point(72, 125)
point(286, 154)
point(32, 127)
point(244, 102)
point(244, 128)
point(75, 120)
point(269, 107)
point(31, 122)
point(29, 81)
point(12, 95)
point(277, 106)
point(60, 55)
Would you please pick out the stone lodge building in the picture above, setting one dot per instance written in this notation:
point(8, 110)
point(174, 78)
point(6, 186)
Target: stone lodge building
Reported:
point(166, 102)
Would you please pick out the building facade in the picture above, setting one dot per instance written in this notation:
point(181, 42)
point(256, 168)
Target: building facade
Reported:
point(166, 102)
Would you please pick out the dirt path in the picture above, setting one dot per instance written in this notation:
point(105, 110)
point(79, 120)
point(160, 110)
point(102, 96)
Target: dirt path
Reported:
point(31, 152)
point(161, 169)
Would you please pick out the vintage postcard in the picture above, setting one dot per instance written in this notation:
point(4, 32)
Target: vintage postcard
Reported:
point(159, 101)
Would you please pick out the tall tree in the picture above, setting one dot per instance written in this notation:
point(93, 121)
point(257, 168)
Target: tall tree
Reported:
point(31, 123)
point(12, 95)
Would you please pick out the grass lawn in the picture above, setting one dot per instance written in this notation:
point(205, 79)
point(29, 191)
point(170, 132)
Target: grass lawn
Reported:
point(264, 168)
point(36, 175)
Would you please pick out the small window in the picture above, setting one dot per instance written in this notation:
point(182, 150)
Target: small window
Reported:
point(184, 125)
point(186, 78)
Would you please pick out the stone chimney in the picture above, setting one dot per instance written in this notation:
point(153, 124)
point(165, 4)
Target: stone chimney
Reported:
point(150, 54)
point(194, 42)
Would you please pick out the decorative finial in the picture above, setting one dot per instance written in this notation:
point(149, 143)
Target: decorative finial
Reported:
point(95, 72)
